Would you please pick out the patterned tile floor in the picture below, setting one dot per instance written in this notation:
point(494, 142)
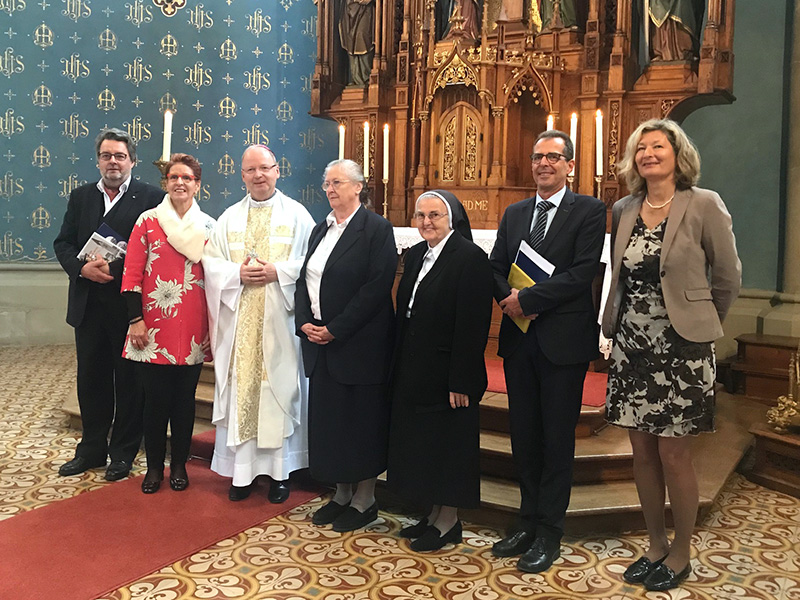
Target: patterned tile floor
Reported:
point(747, 548)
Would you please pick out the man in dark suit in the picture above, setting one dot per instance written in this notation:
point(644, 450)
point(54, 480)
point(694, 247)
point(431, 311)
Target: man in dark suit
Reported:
point(108, 391)
point(545, 367)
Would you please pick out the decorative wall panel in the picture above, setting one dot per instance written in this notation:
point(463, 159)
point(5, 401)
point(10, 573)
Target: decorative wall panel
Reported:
point(235, 71)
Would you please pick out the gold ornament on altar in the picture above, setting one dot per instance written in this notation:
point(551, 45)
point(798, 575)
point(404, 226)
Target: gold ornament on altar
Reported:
point(786, 414)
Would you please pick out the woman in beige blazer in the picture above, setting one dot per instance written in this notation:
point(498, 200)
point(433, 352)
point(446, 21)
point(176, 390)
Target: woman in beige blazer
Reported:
point(675, 275)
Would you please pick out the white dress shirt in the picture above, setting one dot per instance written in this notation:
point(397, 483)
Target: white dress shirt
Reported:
point(431, 256)
point(107, 201)
point(318, 260)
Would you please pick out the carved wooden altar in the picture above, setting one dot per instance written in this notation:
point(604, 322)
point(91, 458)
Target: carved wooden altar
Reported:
point(463, 112)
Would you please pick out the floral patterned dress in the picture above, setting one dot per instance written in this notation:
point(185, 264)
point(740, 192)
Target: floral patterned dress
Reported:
point(173, 296)
point(658, 382)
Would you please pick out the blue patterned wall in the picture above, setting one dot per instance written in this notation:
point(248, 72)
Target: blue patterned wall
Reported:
point(236, 72)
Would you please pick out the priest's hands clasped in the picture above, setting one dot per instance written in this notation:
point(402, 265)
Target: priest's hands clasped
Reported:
point(255, 271)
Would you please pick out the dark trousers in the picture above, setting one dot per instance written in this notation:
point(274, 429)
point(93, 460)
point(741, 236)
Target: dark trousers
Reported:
point(108, 389)
point(169, 399)
point(544, 401)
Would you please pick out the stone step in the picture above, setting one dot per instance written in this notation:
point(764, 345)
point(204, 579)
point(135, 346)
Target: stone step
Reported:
point(599, 458)
point(494, 416)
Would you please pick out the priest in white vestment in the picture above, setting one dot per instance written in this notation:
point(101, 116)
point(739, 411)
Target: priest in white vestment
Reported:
point(261, 393)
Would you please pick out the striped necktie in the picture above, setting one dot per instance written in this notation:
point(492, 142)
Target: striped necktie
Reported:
point(540, 223)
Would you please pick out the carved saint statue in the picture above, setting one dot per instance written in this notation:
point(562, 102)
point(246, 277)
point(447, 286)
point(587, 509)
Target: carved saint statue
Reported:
point(673, 27)
point(567, 12)
point(468, 11)
point(356, 32)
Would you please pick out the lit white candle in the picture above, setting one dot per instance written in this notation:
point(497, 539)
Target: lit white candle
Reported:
point(551, 120)
point(386, 151)
point(366, 149)
point(573, 135)
point(167, 143)
point(599, 138)
point(341, 142)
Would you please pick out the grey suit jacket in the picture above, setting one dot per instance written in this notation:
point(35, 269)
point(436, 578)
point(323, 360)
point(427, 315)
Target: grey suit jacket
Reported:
point(700, 270)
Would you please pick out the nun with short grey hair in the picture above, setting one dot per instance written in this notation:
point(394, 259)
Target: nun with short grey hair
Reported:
point(444, 308)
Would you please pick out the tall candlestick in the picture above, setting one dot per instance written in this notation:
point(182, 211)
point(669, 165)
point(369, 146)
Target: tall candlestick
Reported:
point(341, 142)
point(385, 151)
point(599, 139)
point(573, 135)
point(366, 149)
point(551, 120)
point(167, 143)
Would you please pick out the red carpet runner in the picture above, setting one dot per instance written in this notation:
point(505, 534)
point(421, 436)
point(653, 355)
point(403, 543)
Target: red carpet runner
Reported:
point(594, 386)
point(89, 545)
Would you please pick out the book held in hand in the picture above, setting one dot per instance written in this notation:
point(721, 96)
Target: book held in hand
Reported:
point(104, 243)
point(528, 268)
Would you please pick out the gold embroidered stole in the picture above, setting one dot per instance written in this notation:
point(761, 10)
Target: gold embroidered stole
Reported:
point(249, 348)
point(249, 357)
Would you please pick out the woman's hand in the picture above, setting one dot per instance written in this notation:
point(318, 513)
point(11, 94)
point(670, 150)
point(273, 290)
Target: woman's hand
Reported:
point(206, 345)
point(137, 333)
point(457, 400)
point(317, 334)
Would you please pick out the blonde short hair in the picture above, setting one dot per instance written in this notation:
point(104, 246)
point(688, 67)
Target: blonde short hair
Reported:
point(687, 159)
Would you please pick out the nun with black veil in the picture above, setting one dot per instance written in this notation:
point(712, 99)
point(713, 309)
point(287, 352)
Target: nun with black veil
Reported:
point(444, 307)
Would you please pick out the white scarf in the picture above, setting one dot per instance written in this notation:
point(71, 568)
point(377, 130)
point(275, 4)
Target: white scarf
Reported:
point(188, 234)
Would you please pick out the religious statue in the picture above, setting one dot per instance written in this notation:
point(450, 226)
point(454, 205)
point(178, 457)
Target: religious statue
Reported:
point(356, 33)
point(567, 13)
point(672, 30)
point(458, 18)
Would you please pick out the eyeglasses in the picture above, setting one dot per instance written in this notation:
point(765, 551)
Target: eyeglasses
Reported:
point(552, 157)
point(184, 178)
point(262, 169)
point(106, 156)
point(335, 184)
point(433, 216)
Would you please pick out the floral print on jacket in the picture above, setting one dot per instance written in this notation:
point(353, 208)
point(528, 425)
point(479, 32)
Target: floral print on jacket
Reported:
point(173, 296)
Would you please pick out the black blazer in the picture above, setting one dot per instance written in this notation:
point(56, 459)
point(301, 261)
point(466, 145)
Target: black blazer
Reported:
point(84, 215)
point(445, 339)
point(566, 327)
point(355, 301)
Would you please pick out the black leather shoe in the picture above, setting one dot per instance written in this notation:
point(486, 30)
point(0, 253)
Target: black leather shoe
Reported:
point(151, 482)
point(540, 556)
point(328, 513)
point(414, 531)
point(78, 465)
point(640, 569)
point(514, 544)
point(118, 469)
point(433, 539)
point(352, 518)
point(278, 492)
point(178, 478)
point(239, 492)
point(663, 578)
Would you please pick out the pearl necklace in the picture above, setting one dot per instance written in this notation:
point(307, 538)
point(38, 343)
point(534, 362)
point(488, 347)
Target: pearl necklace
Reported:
point(656, 207)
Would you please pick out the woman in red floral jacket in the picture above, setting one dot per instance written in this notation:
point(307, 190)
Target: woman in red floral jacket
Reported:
point(168, 334)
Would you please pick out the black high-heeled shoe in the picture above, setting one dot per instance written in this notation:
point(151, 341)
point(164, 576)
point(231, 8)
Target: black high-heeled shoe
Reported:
point(433, 539)
point(414, 531)
point(152, 483)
